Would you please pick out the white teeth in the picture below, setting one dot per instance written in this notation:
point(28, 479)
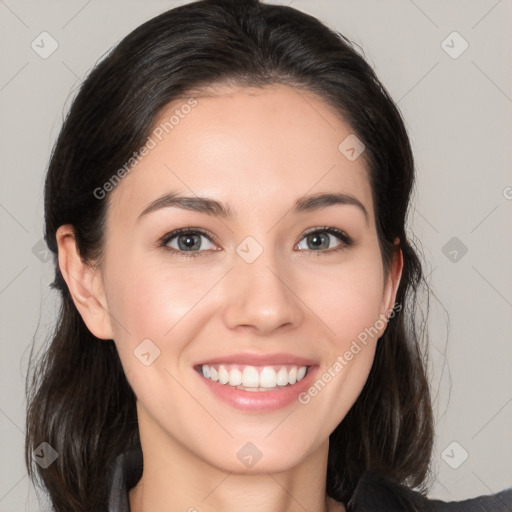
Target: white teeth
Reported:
point(250, 377)
point(223, 375)
point(235, 377)
point(254, 378)
point(268, 377)
point(282, 377)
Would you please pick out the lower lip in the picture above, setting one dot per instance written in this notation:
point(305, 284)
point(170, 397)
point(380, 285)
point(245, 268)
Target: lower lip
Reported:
point(260, 400)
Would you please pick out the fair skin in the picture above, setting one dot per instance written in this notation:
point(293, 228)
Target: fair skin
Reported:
point(258, 151)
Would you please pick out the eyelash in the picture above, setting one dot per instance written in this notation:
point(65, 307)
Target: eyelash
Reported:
point(346, 240)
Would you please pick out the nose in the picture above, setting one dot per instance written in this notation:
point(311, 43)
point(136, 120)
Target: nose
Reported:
point(260, 296)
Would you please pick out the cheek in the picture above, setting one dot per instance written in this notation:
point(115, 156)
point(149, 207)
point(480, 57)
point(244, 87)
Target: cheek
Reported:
point(348, 301)
point(155, 303)
point(351, 313)
point(347, 298)
point(165, 305)
point(151, 298)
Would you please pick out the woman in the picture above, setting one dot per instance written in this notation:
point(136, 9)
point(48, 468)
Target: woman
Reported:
point(227, 203)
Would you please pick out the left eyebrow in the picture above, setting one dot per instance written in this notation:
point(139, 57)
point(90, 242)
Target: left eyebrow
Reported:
point(317, 201)
point(215, 208)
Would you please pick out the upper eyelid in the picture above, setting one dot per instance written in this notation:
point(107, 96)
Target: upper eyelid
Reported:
point(176, 232)
point(340, 234)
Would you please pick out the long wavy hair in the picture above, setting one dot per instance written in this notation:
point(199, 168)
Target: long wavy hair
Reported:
point(79, 400)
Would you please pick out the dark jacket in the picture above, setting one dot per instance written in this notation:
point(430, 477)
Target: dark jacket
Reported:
point(372, 494)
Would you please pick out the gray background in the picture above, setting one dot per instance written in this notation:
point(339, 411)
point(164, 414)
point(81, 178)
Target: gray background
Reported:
point(458, 112)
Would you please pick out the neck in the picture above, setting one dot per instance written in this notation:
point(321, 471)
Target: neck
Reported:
point(176, 479)
point(141, 502)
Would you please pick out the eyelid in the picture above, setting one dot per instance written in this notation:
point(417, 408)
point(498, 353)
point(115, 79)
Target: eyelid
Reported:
point(176, 232)
point(328, 229)
point(162, 243)
point(346, 240)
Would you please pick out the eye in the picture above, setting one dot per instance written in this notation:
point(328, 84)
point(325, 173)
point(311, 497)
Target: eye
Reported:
point(187, 242)
point(320, 238)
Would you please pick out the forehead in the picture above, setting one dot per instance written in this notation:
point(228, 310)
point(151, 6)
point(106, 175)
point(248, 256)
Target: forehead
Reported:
point(253, 148)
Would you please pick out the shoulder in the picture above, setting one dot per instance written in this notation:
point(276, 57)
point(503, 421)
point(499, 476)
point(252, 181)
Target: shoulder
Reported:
point(375, 493)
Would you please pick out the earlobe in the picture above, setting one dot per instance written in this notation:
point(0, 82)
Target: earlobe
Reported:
point(84, 284)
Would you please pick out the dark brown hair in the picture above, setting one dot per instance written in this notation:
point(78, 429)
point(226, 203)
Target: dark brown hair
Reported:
point(79, 400)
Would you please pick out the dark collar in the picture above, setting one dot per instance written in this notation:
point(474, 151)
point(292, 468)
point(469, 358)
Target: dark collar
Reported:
point(373, 493)
point(124, 474)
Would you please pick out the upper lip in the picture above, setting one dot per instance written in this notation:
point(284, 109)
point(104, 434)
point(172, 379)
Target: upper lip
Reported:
point(259, 359)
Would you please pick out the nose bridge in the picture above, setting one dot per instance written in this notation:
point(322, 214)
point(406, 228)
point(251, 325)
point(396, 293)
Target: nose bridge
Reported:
point(259, 293)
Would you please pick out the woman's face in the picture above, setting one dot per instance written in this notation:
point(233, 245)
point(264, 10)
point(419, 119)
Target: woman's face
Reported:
point(255, 284)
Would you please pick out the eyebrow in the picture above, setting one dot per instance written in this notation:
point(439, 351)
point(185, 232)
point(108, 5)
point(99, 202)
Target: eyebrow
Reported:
point(215, 208)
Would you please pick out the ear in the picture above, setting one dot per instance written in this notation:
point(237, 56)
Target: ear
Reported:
point(84, 283)
point(392, 283)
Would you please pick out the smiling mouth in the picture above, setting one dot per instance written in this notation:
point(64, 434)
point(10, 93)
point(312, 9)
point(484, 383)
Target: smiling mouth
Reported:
point(253, 378)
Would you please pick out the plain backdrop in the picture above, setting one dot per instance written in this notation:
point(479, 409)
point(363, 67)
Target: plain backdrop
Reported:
point(446, 64)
